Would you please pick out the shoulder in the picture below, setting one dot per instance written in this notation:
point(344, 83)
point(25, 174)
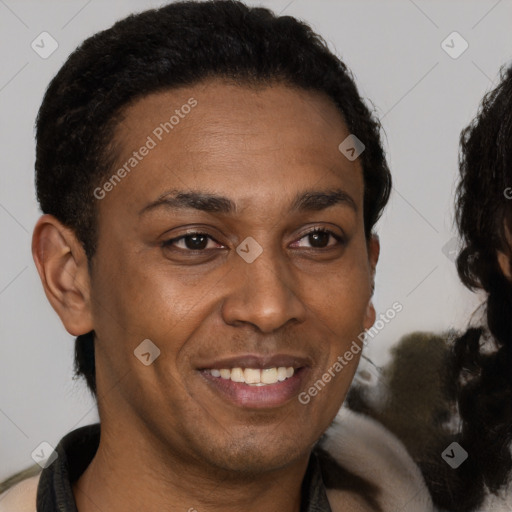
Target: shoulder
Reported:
point(20, 497)
point(369, 450)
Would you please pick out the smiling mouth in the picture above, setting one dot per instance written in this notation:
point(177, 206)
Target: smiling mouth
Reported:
point(256, 388)
point(254, 376)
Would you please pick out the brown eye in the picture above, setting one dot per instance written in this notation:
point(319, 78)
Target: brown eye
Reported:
point(195, 242)
point(190, 242)
point(319, 238)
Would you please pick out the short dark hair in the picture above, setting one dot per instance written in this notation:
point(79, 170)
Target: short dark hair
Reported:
point(177, 45)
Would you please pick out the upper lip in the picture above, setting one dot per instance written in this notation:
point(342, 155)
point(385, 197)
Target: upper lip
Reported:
point(258, 361)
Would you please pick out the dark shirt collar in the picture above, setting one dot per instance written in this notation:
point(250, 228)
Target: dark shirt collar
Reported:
point(76, 450)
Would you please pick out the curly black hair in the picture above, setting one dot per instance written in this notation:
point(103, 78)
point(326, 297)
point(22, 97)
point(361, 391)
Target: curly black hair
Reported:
point(483, 375)
point(177, 45)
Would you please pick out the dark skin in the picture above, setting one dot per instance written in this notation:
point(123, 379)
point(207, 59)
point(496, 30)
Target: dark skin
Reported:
point(169, 441)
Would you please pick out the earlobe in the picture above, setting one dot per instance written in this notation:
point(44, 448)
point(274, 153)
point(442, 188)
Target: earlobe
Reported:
point(62, 266)
point(370, 315)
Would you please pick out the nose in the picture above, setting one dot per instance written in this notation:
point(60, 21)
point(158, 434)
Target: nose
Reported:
point(265, 294)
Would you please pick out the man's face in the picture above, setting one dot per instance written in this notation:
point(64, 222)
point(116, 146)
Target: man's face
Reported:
point(206, 305)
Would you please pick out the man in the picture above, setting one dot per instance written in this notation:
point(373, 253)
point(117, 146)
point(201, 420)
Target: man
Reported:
point(210, 180)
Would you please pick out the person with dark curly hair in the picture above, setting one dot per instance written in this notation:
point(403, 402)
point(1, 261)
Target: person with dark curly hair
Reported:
point(210, 180)
point(460, 404)
point(483, 354)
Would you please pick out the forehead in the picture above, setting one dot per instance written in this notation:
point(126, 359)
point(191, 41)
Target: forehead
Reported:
point(223, 137)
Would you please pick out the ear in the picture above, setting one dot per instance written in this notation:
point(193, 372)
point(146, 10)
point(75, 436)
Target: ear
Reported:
point(504, 263)
point(504, 257)
point(62, 266)
point(373, 257)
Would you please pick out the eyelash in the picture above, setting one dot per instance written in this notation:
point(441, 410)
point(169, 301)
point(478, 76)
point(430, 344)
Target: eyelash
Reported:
point(170, 242)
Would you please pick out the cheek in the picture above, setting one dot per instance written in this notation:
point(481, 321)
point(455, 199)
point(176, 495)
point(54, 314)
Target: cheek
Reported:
point(342, 312)
point(140, 305)
point(340, 316)
point(343, 299)
point(139, 301)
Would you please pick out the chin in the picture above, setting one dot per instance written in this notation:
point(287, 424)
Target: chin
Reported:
point(253, 456)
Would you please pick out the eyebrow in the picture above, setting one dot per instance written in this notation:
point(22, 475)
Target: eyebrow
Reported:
point(309, 200)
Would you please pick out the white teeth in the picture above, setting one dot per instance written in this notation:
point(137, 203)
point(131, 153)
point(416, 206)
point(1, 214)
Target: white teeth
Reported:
point(252, 376)
point(237, 375)
point(255, 376)
point(269, 375)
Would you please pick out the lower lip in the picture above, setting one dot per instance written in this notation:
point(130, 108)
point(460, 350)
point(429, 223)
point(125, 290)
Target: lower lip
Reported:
point(258, 397)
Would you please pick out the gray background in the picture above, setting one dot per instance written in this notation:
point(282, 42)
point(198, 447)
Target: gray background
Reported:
point(423, 96)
